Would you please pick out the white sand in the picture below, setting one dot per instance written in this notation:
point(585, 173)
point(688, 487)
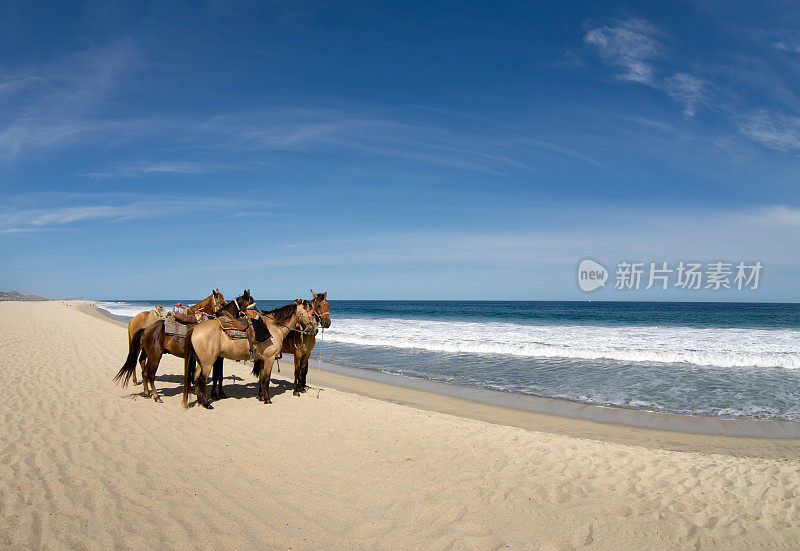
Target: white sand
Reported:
point(87, 465)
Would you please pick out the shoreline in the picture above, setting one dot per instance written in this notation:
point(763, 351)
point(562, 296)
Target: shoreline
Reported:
point(737, 437)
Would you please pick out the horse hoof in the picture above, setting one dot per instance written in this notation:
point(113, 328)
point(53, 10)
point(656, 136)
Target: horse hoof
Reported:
point(222, 395)
point(208, 406)
point(296, 393)
point(158, 400)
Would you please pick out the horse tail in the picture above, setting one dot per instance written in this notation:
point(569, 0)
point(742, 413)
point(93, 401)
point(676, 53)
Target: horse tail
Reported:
point(129, 366)
point(257, 367)
point(189, 361)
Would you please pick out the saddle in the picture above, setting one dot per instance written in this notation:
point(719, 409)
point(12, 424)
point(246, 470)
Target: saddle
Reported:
point(235, 328)
point(186, 319)
point(177, 323)
point(252, 329)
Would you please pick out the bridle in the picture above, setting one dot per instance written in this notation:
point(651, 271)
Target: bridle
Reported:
point(314, 306)
point(276, 322)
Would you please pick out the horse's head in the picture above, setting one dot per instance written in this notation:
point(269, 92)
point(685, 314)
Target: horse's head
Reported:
point(245, 300)
point(321, 308)
point(306, 318)
point(219, 299)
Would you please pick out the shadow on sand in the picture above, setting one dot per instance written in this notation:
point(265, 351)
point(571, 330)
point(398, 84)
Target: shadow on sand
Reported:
point(234, 390)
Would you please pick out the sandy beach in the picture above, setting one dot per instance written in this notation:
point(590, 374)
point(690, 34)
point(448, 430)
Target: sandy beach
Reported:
point(357, 464)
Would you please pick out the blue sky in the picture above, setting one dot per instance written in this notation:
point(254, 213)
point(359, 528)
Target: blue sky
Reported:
point(440, 150)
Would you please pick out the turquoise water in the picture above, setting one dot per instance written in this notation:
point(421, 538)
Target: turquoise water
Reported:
point(719, 359)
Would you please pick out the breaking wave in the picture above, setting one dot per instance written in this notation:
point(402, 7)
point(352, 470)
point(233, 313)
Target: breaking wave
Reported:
point(717, 347)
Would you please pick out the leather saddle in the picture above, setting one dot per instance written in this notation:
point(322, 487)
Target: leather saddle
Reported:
point(252, 329)
point(227, 321)
point(186, 319)
point(177, 323)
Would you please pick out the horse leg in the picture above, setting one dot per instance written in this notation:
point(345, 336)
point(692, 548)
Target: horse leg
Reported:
point(142, 360)
point(258, 367)
point(298, 367)
point(145, 386)
point(152, 367)
point(216, 381)
point(213, 395)
point(266, 375)
point(200, 391)
point(304, 372)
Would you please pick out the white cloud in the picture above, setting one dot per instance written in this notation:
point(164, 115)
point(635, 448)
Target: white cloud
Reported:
point(775, 131)
point(16, 218)
point(144, 168)
point(776, 216)
point(52, 105)
point(631, 46)
point(688, 90)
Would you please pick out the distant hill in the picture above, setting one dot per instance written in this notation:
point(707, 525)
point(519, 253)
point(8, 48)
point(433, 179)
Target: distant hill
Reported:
point(16, 295)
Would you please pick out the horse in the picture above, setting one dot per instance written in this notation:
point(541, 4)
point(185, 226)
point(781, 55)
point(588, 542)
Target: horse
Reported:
point(300, 345)
point(210, 304)
point(139, 322)
point(154, 342)
point(238, 307)
point(235, 310)
point(296, 343)
point(206, 341)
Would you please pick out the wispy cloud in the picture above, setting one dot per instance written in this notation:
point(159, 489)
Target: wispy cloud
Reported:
point(366, 132)
point(775, 131)
point(637, 52)
point(786, 46)
point(16, 218)
point(776, 216)
point(630, 46)
point(635, 48)
point(688, 90)
point(144, 168)
point(53, 104)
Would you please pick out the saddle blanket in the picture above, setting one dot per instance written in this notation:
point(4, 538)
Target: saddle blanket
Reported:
point(234, 329)
point(237, 329)
point(173, 327)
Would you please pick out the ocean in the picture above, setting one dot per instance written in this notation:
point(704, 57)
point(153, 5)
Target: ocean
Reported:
point(730, 360)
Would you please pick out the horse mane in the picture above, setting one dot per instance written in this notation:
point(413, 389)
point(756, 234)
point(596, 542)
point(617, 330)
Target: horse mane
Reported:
point(281, 313)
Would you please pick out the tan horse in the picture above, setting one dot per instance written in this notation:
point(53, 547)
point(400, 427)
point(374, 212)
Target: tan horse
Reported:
point(207, 341)
point(300, 345)
point(209, 305)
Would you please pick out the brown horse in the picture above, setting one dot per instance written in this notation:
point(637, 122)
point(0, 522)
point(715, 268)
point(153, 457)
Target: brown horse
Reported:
point(139, 322)
point(209, 305)
point(207, 341)
point(154, 343)
point(300, 345)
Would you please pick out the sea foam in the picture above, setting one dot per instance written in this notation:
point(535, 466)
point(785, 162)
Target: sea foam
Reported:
point(718, 347)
